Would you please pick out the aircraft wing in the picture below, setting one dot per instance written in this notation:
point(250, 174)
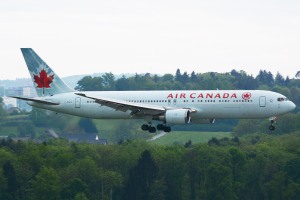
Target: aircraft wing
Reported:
point(135, 108)
point(37, 100)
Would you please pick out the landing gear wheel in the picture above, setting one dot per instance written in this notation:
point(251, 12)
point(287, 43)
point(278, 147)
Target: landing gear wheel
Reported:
point(167, 129)
point(163, 127)
point(273, 121)
point(145, 127)
point(271, 127)
point(152, 129)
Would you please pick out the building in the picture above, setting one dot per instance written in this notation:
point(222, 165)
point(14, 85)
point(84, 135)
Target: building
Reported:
point(9, 102)
point(28, 91)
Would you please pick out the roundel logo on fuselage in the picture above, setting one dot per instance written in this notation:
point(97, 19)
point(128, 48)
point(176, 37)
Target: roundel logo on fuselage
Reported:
point(246, 95)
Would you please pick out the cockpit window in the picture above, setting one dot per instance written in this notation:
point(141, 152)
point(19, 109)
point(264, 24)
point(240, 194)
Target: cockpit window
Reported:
point(282, 99)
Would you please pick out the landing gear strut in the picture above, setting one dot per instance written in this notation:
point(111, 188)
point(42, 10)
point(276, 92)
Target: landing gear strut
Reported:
point(272, 127)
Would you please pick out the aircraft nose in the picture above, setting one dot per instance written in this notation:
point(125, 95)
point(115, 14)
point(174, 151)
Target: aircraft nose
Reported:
point(292, 106)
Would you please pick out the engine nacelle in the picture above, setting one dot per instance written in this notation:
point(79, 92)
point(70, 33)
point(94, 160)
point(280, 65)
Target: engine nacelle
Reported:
point(178, 116)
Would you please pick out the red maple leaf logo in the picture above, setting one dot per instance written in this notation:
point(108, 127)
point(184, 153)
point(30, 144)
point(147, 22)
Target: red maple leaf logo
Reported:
point(43, 80)
point(246, 95)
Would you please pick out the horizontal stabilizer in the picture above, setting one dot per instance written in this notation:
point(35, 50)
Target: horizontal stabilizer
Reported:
point(37, 100)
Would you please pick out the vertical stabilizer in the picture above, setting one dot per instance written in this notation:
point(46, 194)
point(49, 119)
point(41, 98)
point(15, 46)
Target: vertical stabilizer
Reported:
point(46, 82)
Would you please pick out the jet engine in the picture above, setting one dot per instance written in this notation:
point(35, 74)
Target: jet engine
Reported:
point(178, 116)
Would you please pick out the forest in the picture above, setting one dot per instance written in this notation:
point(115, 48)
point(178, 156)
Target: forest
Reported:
point(252, 164)
point(258, 166)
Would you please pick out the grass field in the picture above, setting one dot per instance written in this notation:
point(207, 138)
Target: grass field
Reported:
point(181, 137)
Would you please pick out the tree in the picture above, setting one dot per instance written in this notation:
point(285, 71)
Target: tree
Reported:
point(158, 190)
point(80, 196)
point(86, 170)
point(297, 74)
point(89, 83)
point(167, 78)
point(188, 144)
point(265, 78)
point(246, 126)
point(178, 76)
point(12, 184)
point(243, 81)
point(185, 78)
point(193, 76)
point(279, 80)
point(74, 187)
point(3, 112)
point(219, 182)
point(47, 185)
point(108, 81)
point(141, 178)
point(87, 125)
point(111, 180)
point(122, 84)
point(44, 118)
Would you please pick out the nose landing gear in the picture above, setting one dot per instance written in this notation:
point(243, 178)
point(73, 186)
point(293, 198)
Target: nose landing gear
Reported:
point(273, 120)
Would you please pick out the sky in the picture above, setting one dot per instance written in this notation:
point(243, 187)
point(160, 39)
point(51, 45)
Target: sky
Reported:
point(155, 36)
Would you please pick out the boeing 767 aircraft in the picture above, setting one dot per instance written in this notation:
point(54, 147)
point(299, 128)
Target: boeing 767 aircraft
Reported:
point(166, 107)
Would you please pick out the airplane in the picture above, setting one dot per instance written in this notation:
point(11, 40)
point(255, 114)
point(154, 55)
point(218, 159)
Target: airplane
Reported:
point(168, 107)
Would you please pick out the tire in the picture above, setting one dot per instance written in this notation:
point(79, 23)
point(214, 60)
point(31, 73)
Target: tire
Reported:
point(167, 129)
point(145, 127)
point(152, 129)
point(271, 128)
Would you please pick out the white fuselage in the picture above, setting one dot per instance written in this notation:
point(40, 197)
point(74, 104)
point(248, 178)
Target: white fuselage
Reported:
point(208, 104)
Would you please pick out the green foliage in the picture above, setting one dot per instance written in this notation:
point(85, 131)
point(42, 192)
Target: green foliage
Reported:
point(12, 187)
point(287, 123)
point(211, 80)
point(87, 125)
point(89, 83)
point(3, 112)
point(246, 126)
point(74, 188)
point(140, 188)
point(46, 185)
point(26, 129)
point(44, 118)
point(268, 169)
point(80, 196)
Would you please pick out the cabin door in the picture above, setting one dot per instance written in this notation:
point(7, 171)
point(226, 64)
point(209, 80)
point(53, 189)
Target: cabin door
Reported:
point(77, 102)
point(262, 101)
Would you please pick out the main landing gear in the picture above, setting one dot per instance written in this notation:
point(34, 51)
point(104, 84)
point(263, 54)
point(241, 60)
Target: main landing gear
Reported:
point(152, 129)
point(272, 127)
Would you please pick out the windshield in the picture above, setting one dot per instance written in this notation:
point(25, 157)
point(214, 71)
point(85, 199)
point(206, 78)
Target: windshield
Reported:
point(282, 99)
